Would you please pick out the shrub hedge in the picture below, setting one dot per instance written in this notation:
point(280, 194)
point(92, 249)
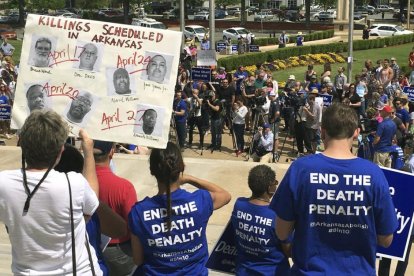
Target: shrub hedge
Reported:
point(232, 62)
point(307, 37)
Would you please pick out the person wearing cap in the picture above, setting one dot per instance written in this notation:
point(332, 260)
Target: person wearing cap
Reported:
point(313, 84)
point(395, 68)
point(384, 137)
point(290, 83)
point(120, 195)
point(299, 39)
point(264, 144)
point(310, 205)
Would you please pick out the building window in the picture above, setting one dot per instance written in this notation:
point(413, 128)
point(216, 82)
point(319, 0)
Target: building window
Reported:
point(292, 3)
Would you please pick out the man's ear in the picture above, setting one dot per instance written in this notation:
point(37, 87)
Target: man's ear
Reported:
point(356, 134)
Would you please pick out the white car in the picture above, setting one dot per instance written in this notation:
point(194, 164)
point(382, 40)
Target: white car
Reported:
point(69, 15)
point(384, 8)
point(263, 16)
point(203, 15)
point(387, 30)
point(196, 31)
point(324, 15)
point(236, 32)
point(148, 23)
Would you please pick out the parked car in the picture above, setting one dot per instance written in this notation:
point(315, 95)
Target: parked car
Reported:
point(69, 15)
point(148, 23)
point(195, 31)
point(384, 8)
point(359, 16)
point(294, 15)
point(4, 19)
point(252, 10)
point(387, 30)
point(397, 15)
point(234, 11)
point(263, 16)
point(235, 32)
point(171, 14)
point(13, 17)
point(325, 15)
point(362, 10)
point(219, 14)
point(203, 15)
point(372, 9)
point(7, 32)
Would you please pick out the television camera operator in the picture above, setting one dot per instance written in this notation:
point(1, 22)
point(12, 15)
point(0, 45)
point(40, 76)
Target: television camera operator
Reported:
point(213, 107)
point(290, 102)
point(263, 144)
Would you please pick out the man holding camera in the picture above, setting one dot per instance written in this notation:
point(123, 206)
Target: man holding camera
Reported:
point(214, 108)
point(264, 148)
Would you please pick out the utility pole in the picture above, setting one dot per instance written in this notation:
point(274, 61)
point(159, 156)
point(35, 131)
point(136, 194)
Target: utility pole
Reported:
point(350, 39)
point(212, 25)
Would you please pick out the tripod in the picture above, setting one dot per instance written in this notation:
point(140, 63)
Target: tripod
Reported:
point(292, 130)
point(256, 119)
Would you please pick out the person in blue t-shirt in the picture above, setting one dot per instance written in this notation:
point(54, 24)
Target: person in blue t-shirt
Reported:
point(401, 112)
point(340, 209)
point(180, 117)
point(259, 252)
point(384, 137)
point(169, 229)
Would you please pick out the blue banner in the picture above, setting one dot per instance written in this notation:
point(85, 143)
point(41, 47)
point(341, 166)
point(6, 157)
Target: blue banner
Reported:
point(410, 92)
point(327, 99)
point(402, 191)
point(200, 73)
point(254, 48)
point(234, 48)
point(220, 46)
point(5, 112)
point(223, 256)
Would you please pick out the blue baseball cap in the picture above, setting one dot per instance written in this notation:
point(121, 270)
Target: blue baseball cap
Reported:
point(266, 125)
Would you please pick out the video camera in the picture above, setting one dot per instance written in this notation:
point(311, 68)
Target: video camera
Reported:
point(294, 100)
point(258, 101)
point(368, 125)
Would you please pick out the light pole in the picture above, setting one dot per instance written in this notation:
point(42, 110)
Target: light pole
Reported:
point(212, 26)
point(350, 38)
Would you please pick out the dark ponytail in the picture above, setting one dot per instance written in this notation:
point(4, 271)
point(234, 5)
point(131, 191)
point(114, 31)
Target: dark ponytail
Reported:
point(166, 165)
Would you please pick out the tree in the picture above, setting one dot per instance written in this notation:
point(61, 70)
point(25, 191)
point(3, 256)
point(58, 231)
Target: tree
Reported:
point(326, 3)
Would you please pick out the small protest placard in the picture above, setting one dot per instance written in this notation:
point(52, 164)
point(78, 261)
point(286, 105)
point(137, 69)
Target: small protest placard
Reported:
point(199, 73)
point(220, 46)
point(410, 92)
point(327, 100)
point(5, 112)
point(254, 48)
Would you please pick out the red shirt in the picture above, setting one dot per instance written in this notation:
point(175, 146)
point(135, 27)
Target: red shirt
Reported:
point(118, 193)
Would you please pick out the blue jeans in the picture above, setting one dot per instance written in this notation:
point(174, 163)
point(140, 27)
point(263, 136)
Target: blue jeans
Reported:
point(181, 133)
point(216, 128)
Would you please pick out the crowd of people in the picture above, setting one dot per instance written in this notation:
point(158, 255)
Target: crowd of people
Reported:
point(8, 78)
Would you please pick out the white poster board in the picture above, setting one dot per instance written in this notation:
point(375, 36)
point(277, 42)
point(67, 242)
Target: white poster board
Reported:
point(116, 81)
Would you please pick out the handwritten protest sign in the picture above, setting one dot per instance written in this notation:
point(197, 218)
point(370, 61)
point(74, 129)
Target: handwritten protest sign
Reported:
point(99, 76)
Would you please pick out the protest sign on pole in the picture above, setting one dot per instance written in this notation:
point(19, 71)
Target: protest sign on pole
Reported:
point(206, 58)
point(100, 76)
point(410, 92)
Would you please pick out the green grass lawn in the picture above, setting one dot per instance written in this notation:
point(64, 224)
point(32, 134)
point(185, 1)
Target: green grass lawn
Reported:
point(17, 44)
point(400, 52)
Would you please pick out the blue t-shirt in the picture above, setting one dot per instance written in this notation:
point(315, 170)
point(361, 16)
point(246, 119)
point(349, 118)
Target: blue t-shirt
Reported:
point(183, 250)
point(386, 131)
point(94, 233)
point(314, 85)
point(180, 106)
point(339, 207)
point(258, 250)
point(4, 99)
point(403, 115)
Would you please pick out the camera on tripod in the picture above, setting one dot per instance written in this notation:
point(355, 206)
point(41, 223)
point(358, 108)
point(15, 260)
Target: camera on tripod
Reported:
point(258, 101)
point(368, 125)
point(295, 101)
